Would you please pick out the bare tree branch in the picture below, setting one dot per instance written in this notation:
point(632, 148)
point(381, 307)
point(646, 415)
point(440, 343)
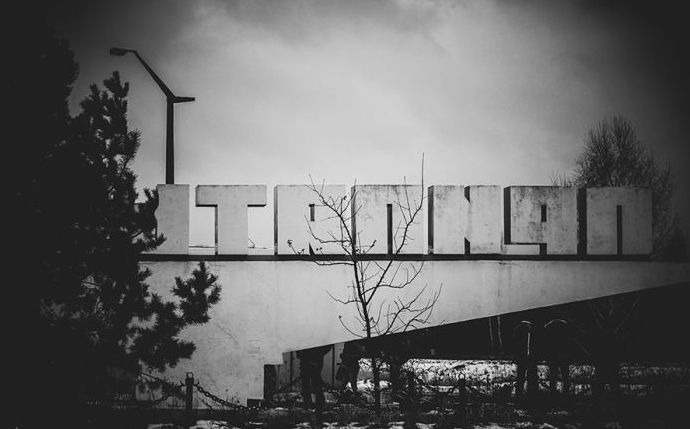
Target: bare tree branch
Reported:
point(376, 314)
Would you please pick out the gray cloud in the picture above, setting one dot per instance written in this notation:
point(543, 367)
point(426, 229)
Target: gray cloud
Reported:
point(491, 91)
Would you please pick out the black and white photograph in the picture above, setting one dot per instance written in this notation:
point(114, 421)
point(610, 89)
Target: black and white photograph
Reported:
point(347, 214)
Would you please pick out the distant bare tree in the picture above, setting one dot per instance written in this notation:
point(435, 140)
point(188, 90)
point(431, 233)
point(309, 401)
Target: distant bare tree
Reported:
point(371, 274)
point(561, 179)
point(614, 156)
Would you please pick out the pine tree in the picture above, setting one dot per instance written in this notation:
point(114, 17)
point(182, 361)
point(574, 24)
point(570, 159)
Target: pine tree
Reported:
point(89, 314)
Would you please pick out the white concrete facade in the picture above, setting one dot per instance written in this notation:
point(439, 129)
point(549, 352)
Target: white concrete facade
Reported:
point(301, 217)
point(172, 217)
point(635, 207)
point(231, 203)
point(544, 215)
point(270, 307)
point(274, 304)
point(372, 206)
point(478, 219)
point(459, 213)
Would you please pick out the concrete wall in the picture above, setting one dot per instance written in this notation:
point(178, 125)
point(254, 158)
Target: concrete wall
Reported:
point(545, 215)
point(606, 232)
point(272, 306)
point(172, 217)
point(461, 217)
point(294, 206)
point(372, 207)
point(231, 217)
point(527, 220)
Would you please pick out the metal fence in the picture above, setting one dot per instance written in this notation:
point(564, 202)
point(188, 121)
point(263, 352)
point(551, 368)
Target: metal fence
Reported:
point(435, 383)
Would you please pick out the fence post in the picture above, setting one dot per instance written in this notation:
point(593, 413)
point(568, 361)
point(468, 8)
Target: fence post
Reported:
point(461, 405)
point(189, 395)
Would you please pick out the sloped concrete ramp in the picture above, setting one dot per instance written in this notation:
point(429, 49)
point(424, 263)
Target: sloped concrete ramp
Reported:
point(272, 305)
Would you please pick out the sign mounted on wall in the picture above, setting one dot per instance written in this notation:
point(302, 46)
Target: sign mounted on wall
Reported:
point(460, 220)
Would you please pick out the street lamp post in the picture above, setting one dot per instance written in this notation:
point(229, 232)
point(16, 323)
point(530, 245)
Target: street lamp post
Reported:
point(171, 99)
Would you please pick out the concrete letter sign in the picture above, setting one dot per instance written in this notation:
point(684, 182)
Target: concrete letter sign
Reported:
point(297, 209)
point(231, 204)
point(465, 218)
point(619, 221)
point(546, 215)
point(379, 218)
point(478, 220)
point(172, 218)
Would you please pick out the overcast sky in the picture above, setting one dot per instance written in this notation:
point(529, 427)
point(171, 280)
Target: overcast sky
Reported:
point(492, 92)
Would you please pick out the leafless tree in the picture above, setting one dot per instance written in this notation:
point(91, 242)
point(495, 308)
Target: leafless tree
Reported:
point(377, 313)
point(614, 156)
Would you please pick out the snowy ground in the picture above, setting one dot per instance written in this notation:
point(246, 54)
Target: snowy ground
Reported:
point(215, 424)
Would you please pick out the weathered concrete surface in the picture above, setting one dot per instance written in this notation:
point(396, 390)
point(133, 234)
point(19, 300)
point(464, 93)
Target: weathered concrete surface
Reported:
point(371, 219)
point(269, 307)
point(231, 203)
point(292, 218)
point(474, 219)
point(453, 218)
point(602, 221)
point(172, 217)
point(545, 215)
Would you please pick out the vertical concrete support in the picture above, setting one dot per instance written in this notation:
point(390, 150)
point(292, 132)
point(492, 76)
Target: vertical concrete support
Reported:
point(447, 219)
point(380, 214)
point(465, 219)
point(172, 217)
point(619, 221)
point(297, 210)
point(231, 204)
point(543, 214)
point(484, 228)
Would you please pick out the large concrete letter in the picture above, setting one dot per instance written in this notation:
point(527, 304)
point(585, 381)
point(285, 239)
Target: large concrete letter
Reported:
point(382, 212)
point(619, 221)
point(297, 210)
point(543, 214)
point(231, 204)
point(172, 218)
point(465, 219)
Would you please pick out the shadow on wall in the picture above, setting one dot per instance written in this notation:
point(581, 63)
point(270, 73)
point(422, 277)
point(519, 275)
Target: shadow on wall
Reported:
point(652, 351)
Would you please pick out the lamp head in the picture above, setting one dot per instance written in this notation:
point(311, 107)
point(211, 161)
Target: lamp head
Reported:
point(183, 99)
point(119, 51)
